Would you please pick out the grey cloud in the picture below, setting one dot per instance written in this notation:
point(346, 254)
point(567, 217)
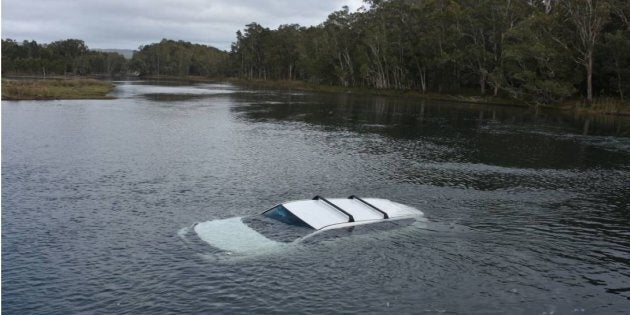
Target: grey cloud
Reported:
point(128, 24)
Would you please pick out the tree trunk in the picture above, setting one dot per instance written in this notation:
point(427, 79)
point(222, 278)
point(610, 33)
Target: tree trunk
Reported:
point(423, 76)
point(589, 77)
point(423, 81)
point(290, 72)
point(619, 87)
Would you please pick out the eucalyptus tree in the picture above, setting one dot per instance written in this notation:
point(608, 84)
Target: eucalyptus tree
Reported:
point(538, 67)
point(587, 19)
point(485, 25)
point(613, 55)
point(341, 38)
point(432, 32)
point(252, 47)
point(375, 50)
point(615, 48)
point(288, 41)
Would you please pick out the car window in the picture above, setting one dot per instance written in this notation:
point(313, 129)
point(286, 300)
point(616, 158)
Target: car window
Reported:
point(283, 215)
point(276, 230)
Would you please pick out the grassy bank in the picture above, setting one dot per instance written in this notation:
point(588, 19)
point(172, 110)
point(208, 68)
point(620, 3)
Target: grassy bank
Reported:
point(53, 89)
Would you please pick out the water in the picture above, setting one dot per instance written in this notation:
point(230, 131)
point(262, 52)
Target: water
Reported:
point(528, 211)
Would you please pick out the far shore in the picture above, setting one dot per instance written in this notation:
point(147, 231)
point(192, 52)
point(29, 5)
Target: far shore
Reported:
point(599, 106)
point(31, 88)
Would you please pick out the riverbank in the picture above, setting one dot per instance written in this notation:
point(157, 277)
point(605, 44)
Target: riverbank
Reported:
point(607, 106)
point(54, 89)
point(320, 88)
point(303, 86)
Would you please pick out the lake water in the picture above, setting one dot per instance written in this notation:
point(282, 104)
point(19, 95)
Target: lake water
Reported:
point(528, 211)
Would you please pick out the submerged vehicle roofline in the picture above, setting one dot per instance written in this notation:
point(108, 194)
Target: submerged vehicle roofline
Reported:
point(320, 212)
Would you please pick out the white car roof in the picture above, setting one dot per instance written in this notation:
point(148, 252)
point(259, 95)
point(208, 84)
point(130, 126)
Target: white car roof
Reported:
point(319, 214)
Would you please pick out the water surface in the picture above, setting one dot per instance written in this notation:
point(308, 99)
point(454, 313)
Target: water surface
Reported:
point(528, 211)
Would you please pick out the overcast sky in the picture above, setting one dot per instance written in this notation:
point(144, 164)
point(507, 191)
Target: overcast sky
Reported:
point(128, 24)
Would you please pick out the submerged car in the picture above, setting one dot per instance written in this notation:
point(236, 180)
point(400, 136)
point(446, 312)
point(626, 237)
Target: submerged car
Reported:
point(302, 221)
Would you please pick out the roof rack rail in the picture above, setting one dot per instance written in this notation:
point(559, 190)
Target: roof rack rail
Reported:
point(350, 217)
point(385, 215)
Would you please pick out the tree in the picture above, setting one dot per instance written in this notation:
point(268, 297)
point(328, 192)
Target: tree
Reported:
point(587, 18)
point(60, 57)
point(537, 67)
point(178, 58)
point(68, 51)
point(615, 50)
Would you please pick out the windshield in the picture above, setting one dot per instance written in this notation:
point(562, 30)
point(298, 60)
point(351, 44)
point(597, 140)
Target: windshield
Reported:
point(283, 215)
point(276, 230)
point(278, 224)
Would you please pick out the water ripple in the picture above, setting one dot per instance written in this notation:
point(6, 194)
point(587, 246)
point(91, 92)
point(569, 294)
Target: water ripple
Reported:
point(526, 214)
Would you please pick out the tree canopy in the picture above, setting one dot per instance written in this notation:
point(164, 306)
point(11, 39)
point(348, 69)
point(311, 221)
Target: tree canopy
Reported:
point(179, 58)
point(70, 56)
point(543, 51)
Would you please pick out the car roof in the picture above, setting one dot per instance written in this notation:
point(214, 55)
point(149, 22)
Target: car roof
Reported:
point(320, 212)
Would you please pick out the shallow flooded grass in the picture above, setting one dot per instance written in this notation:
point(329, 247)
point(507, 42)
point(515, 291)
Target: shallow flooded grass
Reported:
point(55, 89)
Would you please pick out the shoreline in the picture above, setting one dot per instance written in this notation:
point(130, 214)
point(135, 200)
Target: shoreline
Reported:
point(610, 107)
point(303, 86)
point(599, 107)
point(73, 88)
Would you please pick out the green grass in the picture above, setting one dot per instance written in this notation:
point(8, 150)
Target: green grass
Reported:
point(54, 89)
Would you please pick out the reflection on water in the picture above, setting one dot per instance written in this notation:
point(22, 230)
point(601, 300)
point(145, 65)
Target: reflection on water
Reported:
point(528, 213)
point(169, 91)
point(506, 136)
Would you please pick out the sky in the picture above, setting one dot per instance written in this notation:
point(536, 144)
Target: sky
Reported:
point(127, 24)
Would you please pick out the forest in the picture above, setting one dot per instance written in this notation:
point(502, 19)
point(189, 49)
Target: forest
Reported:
point(538, 51)
point(73, 57)
point(179, 58)
point(70, 56)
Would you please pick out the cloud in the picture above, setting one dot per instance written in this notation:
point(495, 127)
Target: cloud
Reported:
point(130, 23)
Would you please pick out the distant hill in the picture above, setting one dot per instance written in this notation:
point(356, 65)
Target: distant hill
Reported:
point(127, 53)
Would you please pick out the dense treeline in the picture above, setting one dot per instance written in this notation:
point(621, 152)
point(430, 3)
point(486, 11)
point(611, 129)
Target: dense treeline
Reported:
point(537, 50)
point(179, 58)
point(63, 57)
point(72, 57)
